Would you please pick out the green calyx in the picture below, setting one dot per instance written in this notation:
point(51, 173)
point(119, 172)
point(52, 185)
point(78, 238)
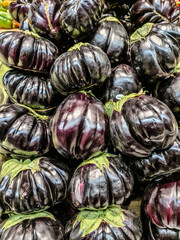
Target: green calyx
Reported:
point(177, 68)
point(141, 33)
point(35, 35)
point(110, 19)
point(78, 46)
point(89, 92)
point(13, 167)
point(12, 221)
point(91, 220)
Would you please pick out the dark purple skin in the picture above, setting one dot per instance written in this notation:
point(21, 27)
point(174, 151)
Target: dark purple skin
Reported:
point(159, 163)
point(44, 17)
point(132, 230)
point(155, 11)
point(156, 55)
point(123, 81)
point(27, 52)
point(19, 9)
point(79, 126)
point(91, 188)
point(161, 202)
point(80, 69)
point(31, 229)
point(24, 25)
point(143, 125)
point(113, 39)
point(22, 134)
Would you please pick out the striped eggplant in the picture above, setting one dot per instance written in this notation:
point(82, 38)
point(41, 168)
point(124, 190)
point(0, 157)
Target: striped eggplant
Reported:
point(19, 9)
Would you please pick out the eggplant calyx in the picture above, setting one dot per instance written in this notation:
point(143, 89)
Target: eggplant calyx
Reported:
point(91, 220)
point(177, 68)
point(35, 35)
point(13, 167)
point(18, 218)
point(110, 19)
point(141, 33)
point(88, 93)
point(77, 46)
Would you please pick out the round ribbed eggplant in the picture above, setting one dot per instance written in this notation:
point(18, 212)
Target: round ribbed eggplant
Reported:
point(79, 126)
point(44, 17)
point(101, 181)
point(32, 185)
point(112, 38)
point(37, 226)
point(159, 163)
point(141, 124)
point(110, 224)
point(123, 81)
point(30, 89)
point(27, 51)
point(24, 25)
point(19, 9)
point(84, 66)
point(161, 202)
point(155, 50)
point(79, 17)
point(22, 133)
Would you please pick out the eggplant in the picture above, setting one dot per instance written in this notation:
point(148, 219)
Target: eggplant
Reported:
point(79, 17)
point(112, 38)
point(159, 163)
point(155, 51)
point(79, 126)
point(111, 224)
point(19, 9)
point(42, 225)
point(140, 124)
point(122, 81)
point(32, 90)
point(154, 11)
point(30, 186)
point(27, 51)
point(84, 66)
point(44, 17)
point(100, 181)
point(24, 25)
point(23, 132)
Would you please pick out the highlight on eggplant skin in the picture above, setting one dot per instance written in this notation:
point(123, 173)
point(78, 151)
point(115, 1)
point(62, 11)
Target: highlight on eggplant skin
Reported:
point(19, 9)
point(83, 67)
point(27, 52)
point(79, 126)
point(24, 25)
point(94, 188)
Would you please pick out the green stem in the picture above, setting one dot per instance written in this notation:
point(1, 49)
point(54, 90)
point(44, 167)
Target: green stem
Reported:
point(78, 46)
point(27, 32)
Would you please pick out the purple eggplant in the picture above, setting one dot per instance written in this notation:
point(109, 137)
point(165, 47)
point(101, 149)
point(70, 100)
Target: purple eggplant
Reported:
point(155, 51)
point(79, 17)
point(111, 224)
point(122, 81)
point(154, 11)
point(24, 25)
point(42, 225)
point(140, 124)
point(44, 17)
point(22, 133)
point(79, 126)
point(112, 38)
point(100, 181)
point(84, 66)
point(19, 9)
point(27, 51)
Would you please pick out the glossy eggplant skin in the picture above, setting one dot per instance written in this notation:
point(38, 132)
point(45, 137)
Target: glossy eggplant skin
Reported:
point(27, 52)
point(31, 229)
point(155, 11)
point(122, 81)
point(113, 39)
point(79, 17)
point(169, 92)
point(24, 25)
point(156, 55)
point(19, 9)
point(44, 17)
point(91, 188)
point(22, 134)
point(159, 163)
point(144, 124)
point(132, 230)
point(79, 126)
point(79, 69)
point(32, 90)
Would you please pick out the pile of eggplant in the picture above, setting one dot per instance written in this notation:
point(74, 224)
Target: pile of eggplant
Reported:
point(89, 119)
